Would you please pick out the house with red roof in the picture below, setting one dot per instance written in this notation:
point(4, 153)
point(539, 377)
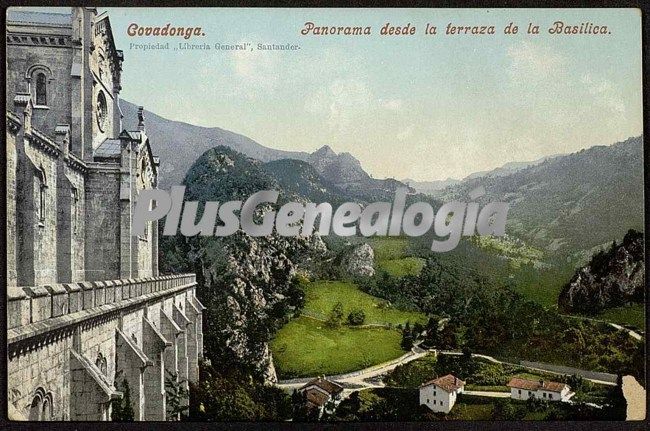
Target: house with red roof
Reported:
point(523, 389)
point(440, 394)
point(320, 391)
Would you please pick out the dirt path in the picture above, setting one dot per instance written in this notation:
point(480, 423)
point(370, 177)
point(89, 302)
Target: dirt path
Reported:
point(630, 332)
point(358, 378)
point(491, 394)
point(635, 397)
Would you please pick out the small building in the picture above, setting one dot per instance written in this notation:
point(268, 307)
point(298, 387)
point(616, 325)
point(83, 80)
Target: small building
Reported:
point(440, 394)
point(321, 391)
point(523, 389)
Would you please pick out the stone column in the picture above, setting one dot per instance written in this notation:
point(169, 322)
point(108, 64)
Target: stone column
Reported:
point(126, 198)
point(154, 345)
point(25, 211)
point(183, 322)
point(14, 127)
point(172, 332)
point(64, 233)
point(192, 340)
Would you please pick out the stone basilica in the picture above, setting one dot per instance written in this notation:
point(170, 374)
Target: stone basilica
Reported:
point(89, 317)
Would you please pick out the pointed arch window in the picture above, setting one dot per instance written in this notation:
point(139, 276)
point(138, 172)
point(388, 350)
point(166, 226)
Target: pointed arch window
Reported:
point(41, 408)
point(41, 89)
point(74, 197)
point(42, 189)
point(36, 408)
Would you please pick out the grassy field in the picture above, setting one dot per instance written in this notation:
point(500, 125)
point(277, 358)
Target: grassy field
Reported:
point(306, 347)
point(321, 296)
point(391, 256)
point(471, 412)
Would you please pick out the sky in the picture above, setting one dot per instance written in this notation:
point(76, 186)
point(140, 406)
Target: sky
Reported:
point(423, 107)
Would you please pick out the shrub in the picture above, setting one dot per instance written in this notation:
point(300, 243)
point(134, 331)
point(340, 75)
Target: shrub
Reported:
point(356, 317)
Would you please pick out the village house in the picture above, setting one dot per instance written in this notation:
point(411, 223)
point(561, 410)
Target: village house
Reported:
point(320, 391)
point(523, 389)
point(440, 394)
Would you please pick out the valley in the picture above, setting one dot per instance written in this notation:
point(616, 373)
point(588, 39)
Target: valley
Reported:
point(289, 308)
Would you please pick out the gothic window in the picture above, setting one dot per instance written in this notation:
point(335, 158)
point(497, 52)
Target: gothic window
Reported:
point(101, 363)
point(42, 188)
point(74, 198)
point(46, 414)
point(102, 111)
point(41, 89)
point(36, 408)
point(41, 407)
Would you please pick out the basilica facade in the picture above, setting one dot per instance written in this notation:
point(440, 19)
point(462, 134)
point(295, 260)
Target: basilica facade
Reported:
point(88, 311)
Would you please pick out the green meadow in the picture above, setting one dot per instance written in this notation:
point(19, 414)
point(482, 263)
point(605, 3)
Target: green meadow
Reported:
point(306, 346)
point(391, 256)
point(321, 296)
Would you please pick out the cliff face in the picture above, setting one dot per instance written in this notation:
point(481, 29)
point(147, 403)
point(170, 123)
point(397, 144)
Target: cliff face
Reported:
point(247, 283)
point(612, 278)
point(249, 289)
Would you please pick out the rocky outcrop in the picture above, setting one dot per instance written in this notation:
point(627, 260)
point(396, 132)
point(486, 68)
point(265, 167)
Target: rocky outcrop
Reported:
point(250, 290)
point(346, 173)
point(612, 278)
point(357, 261)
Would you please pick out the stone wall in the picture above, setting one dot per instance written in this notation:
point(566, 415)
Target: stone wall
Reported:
point(103, 222)
point(13, 127)
point(37, 230)
point(52, 59)
point(108, 332)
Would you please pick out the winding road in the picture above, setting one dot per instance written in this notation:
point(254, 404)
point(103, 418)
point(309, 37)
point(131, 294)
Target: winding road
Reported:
point(633, 392)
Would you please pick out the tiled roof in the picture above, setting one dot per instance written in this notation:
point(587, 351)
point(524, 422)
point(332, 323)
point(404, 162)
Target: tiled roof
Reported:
point(316, 397)
point(29, 17)
point(326, 385)
point(532, 385)
point(447, 383)
point(109, 148)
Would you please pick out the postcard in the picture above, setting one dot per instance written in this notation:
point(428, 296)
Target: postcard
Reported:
point(318, 216)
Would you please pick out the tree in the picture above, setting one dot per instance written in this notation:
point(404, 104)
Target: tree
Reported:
point(335, 316)
point(176, 397)
point(617, 401)
point(504, 410)
point(407, 337)
point(122, 410)
point(356, 317)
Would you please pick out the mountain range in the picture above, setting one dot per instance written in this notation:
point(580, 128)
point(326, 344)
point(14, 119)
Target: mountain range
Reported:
point(570, 205)
point(181, 144)
point(566, 205)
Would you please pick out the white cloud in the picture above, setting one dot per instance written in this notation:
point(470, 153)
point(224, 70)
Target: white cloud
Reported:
point(391, 104)
point(341, 101)
point(604, 93)
point(256, 72)
point(533, 61)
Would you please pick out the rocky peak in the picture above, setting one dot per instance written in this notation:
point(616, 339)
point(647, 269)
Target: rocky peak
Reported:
point(612, 278)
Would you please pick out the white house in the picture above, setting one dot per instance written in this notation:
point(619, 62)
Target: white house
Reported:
point(522, 389)
point(440, 394)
